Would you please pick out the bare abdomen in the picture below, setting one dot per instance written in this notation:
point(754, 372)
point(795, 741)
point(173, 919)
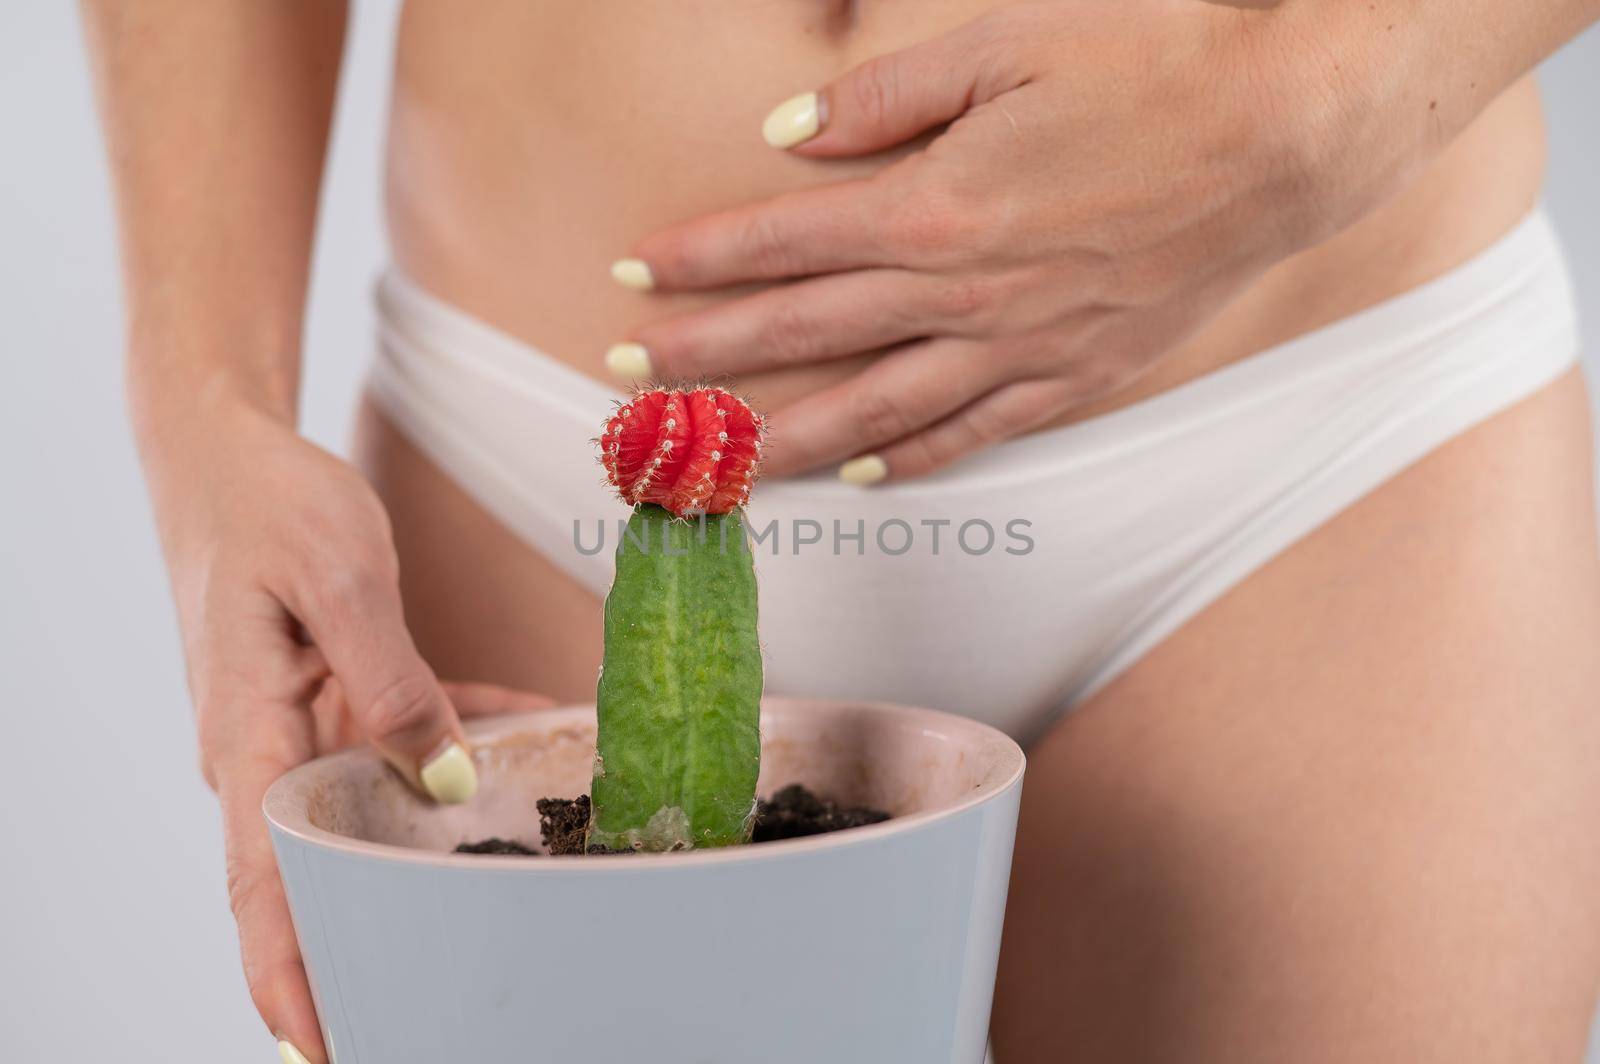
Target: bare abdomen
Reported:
point(531, 144)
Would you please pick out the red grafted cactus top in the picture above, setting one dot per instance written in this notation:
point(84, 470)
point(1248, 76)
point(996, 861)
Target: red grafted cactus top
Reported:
point(689, 450)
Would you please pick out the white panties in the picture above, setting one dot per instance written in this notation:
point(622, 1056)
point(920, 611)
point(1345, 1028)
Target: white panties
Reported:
point(1014, 585)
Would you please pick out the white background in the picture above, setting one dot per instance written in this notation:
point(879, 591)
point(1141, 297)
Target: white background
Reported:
point(115, 940)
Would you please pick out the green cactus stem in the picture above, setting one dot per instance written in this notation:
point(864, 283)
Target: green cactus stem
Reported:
point(680, 688)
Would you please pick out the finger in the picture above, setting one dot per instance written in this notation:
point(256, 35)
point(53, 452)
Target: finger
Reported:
point(487, 699)
point(893, 98)
point(1007, 412)
point(816, 230)
point(336, 727)
point(335, 722)
point(903, 392)
point(794, 324)
point(277, 739)
point(360, 628)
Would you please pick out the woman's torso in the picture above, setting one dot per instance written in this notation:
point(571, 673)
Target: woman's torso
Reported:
point(531, 144)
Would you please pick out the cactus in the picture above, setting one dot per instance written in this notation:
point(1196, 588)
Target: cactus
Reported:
point(680, 686)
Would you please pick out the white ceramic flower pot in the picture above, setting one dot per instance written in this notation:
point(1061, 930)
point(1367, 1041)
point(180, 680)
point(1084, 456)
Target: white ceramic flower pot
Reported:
point(871, 946)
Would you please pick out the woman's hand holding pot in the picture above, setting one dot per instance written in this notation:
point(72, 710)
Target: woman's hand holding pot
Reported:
point(287, 587)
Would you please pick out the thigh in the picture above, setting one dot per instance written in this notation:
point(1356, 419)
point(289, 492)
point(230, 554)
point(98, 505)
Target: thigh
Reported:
point(1349, 812)
point(480, 603)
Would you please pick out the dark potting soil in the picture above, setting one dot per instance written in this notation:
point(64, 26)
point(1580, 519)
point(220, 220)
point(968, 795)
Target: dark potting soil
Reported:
point(795, 812)
point(562, 823)
point(792, 813)
point(497, 847)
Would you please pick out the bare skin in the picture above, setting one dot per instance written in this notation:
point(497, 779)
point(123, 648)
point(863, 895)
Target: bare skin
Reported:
point(1183, 835)
point(1364, 838)
point(517, 215)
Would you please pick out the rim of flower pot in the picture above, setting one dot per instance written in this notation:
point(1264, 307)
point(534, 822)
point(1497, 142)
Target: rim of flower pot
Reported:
point(284, 804)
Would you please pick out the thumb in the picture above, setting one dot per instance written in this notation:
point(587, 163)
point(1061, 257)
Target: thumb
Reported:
point(890, 99)
point(394, 697)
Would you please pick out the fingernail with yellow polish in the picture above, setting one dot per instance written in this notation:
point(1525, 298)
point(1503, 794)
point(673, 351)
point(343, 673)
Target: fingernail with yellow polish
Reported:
point(290, 1055)
point(451, 778)
point(868, 469)
point(628, 361)
point(794, 121)
point(633, 273)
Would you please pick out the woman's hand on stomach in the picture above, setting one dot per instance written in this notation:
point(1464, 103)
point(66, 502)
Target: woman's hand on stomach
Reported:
point(287, 589)
point(1111, 176)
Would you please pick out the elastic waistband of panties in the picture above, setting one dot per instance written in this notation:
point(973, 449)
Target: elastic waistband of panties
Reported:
point(1519, 282)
